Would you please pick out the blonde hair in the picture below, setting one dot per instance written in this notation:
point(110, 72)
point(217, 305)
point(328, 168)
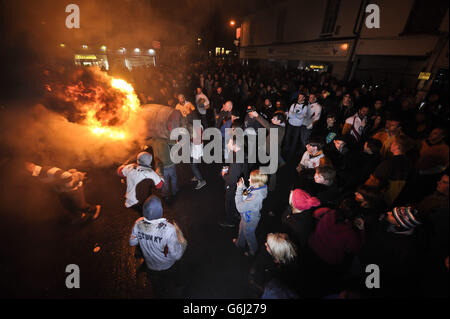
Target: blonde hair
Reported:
point(257, 178)
point(281, 248)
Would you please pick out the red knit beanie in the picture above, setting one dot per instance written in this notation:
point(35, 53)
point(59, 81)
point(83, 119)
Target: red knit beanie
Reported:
point(301, 200)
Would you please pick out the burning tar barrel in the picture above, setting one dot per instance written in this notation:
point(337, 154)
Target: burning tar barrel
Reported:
point(161, 120)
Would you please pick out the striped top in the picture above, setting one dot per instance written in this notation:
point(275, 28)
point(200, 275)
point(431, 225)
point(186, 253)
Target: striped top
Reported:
point(63, 181)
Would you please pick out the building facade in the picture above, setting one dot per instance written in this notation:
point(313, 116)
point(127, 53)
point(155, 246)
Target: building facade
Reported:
point(105, 57)
point(339, 36)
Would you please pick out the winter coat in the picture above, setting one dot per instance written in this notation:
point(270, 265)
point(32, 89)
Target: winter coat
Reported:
point(250, 203)
point(332, 241)
point(300, 226)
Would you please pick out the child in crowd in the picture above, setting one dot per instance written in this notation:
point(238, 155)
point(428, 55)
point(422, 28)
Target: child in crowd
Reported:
point(249, 203)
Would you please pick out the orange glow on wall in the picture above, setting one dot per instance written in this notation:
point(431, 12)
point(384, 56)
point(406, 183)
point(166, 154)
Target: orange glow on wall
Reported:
point(238, 33)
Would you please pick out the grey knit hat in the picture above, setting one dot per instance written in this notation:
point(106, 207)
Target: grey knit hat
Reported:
point(144, 159)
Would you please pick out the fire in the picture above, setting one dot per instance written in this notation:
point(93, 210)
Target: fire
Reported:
point(114, 134)
point(132, 100)
point(104, 104)
point(130, 104)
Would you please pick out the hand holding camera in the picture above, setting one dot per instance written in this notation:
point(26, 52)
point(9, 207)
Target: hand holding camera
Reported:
point(224, 170)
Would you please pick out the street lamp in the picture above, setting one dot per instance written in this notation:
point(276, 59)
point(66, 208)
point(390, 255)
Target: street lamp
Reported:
point(237, 28)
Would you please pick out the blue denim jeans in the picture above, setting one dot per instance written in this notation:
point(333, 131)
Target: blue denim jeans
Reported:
point(247, 229)
point(196, 170)
point(170, 176)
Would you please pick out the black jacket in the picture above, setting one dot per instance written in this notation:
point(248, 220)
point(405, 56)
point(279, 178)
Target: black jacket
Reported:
point(337, 158)
point(357, 168)
point(398, 256)
point(264, 269)
point(217, 101)
point(328, 195)
point(299, 226)
point(235, 172)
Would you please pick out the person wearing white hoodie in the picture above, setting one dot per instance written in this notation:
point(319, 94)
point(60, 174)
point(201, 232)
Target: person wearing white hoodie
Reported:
point(139, 179)
point(161, 244)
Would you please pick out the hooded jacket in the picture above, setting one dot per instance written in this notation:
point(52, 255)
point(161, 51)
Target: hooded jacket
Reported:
point(332, 241)
point(250, 204)
point(138, 182)
point(157, 238)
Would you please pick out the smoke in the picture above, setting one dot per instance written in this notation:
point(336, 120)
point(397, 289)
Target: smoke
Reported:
point(114, 23)
point(81, 92)
point(63, 131)
point(32, 31)
point(39, 134)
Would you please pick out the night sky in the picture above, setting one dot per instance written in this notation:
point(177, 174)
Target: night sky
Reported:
point(124, 22)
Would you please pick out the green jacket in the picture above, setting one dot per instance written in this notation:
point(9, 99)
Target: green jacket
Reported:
point(161, 151)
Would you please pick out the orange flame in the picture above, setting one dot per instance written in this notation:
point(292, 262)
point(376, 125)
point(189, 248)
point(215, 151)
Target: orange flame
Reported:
point(131, 104)
point(107, 107)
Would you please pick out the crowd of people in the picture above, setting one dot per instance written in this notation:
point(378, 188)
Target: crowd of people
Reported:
point(370, 186)
point(362, 180)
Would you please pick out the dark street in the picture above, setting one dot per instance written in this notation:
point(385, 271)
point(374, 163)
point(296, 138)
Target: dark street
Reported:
point(39, 243)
